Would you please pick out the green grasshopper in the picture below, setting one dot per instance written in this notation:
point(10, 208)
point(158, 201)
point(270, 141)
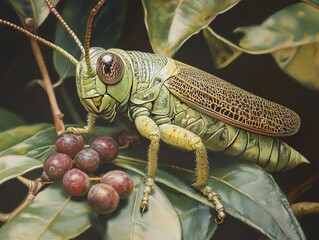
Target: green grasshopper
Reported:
point(181, 105)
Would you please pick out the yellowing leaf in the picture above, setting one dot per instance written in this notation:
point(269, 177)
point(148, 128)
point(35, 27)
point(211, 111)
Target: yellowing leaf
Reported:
point(293, 26)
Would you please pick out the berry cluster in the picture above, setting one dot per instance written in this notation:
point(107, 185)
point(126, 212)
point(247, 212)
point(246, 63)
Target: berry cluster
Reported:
point(114, 185)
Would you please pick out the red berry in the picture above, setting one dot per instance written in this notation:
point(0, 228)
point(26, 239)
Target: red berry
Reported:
point(76, 182)
point(56, 165)
point(120, 181)
point(69, 144)
point(130, 138)
point(103, 199)
point(87, 160)
point(106, 147)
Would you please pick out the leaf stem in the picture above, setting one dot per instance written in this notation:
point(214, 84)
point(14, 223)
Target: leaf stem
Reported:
point(95, 178)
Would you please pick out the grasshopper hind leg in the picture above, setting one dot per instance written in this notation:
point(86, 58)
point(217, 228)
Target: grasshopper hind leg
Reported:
point(185, 139)
point(181, 138)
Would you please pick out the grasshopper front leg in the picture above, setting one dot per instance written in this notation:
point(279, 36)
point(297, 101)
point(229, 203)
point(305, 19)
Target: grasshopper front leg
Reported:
point(148, 128)
point(89, 128)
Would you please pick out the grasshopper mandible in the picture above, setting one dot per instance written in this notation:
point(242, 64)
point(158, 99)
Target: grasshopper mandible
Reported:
point(180, 105)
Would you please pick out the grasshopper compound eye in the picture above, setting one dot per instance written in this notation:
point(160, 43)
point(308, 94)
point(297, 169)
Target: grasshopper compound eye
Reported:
point(110, 68)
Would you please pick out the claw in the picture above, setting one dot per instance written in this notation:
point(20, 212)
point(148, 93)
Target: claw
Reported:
point(78, 131)
point(216, 199)
point(221, 215)
point(144, 207)
point(147, 191)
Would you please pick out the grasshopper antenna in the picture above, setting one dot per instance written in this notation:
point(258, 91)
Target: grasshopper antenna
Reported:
point(42, 40)
point(93, 12)
point(65, 25)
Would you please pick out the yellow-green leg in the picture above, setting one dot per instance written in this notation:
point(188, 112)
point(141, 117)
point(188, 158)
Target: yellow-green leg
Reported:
point(89, 128)
point(148, 128)
point(182, 138)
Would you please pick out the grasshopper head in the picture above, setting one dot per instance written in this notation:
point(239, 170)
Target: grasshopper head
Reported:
point(107, 88)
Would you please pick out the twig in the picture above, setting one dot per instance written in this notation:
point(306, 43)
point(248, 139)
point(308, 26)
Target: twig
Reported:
point(34, 187)
point(305, 208)
point(4, 217)
point(58, 83)
point(56, 113)
point(302, 187)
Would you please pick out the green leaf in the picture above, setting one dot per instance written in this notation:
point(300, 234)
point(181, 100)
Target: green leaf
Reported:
point(152, 225)
point(38, 146)
point(51, 215)
point(38, 10)
point(9, 120)
point(171, 23)
point(12, 166)
point(106, 31)
point(192, 215)
point(248, 193)
point(18, 134)
point(222, 51)
point(290, 27)
point(301, 63)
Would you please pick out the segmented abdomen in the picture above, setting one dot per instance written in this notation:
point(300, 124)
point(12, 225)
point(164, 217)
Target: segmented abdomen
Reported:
point(219, 99)
point(268, 152)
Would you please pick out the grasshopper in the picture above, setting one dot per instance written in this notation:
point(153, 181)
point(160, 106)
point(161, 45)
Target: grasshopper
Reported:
point(180, 105)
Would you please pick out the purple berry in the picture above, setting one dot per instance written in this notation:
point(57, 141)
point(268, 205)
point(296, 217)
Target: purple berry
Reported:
point(106, 147)
point(130, 138)
point(103, 199)
point(76, 182)
point(120, 181)
point(87, 160)
point(69, 144)
point(56, 165)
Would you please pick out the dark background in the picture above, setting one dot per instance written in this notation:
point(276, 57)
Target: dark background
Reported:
point(258, 74)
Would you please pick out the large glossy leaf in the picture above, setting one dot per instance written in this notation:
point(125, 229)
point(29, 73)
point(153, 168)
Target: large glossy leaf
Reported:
point(18, 134)
point(36, 9)
point(9, 120)
point(248, 193)
point(38, 146)
point(152, 225)
point(192, 215)
point(51, 215)
point(12, 166)
point(171, 23)
point(107, 29)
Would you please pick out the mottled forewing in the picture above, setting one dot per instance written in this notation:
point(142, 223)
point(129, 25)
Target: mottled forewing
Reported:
point(233, 105)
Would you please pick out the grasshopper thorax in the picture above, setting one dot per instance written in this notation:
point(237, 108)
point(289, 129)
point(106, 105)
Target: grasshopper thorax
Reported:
point(107, 86)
